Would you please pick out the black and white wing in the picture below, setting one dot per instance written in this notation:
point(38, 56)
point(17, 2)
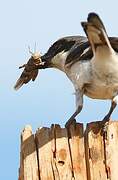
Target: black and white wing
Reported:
point(63, 45)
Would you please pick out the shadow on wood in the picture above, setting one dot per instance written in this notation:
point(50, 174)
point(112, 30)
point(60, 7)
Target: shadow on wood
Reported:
point(64, 154)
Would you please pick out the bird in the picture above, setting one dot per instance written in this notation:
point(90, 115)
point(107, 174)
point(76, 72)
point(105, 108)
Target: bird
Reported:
point(90, 62)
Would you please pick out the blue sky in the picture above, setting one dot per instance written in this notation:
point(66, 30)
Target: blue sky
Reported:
point(50, 98)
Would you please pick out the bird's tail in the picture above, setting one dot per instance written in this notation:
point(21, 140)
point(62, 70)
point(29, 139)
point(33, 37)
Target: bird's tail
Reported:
point(95, 31)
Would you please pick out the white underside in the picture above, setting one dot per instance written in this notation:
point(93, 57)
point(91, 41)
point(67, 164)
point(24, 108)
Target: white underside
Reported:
point(98, 77)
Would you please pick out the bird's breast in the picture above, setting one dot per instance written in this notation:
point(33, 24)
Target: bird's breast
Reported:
point(98, 79)
point(104, 79)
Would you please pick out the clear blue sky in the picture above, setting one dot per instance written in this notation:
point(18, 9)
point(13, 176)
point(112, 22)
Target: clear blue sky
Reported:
point(50, 98)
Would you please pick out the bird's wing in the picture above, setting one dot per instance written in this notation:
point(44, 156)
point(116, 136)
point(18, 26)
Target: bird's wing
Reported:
point(81, 51)
point(63, 44)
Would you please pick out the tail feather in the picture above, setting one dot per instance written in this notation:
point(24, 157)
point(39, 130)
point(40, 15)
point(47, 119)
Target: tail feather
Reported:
point(95, 19)
point(95, 31)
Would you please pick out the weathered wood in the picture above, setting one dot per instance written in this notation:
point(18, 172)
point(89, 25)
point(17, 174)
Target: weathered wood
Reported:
point(95, 156)
point(54, 153)
point(61, 159)
point(45, 155)
point(76, 142)
point(70, 154)
point(111, 150)
point(28, 156)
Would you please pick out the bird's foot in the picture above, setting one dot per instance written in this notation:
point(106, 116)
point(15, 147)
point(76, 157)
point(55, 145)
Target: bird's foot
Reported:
point(70, 122)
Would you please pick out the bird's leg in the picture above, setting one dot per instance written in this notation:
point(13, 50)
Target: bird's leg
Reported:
point(71, 119)
point(107, 117)
point(79, 104)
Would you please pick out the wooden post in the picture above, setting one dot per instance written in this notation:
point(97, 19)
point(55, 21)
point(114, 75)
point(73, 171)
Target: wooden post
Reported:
point(70, 154)
point(28, 156)
point(111, 151)
point(95, 156)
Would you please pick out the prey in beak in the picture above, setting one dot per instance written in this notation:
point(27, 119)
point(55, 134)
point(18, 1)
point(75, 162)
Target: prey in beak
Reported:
point(31, 69)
